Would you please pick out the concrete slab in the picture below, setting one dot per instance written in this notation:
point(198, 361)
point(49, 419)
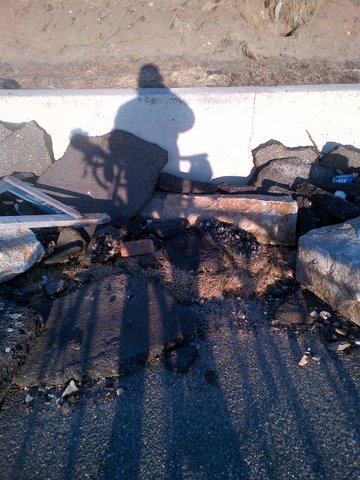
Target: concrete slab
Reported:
point(328, 264)
point(271, 219)
point(106, 329)
point(208, 132)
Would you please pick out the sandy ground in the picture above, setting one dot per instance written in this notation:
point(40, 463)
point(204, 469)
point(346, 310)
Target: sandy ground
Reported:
point(94, 43)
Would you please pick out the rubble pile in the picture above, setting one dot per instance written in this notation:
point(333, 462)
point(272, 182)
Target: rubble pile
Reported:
point(236, 241)
point(170, 231)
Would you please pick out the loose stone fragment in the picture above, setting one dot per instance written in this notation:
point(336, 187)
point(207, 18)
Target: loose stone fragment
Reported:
point(304, 360)
point(325, 315)
point(29, 398)
point(342, 157)
point(69, 244)
point(340, 331)
point(330, 203)
point(292, 310)
point(273, 149)
point(137, 247)
point(211, 376)
point(290, 172)
point(339, 346)
point(70, 389)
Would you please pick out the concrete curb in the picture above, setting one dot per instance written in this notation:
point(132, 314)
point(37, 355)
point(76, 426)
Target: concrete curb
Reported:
point(208, 132)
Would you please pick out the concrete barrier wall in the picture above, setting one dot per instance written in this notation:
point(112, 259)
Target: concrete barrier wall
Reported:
point(208, 132)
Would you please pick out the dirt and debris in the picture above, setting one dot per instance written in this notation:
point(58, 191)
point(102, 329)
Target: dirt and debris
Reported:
point(210, 269)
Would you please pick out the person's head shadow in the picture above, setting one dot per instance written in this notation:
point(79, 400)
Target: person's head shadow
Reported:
point(150, 77)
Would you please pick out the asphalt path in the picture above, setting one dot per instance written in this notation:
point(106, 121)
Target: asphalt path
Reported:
point(257, 415)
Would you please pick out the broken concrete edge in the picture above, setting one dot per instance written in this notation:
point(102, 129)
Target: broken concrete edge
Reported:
point(252, 116)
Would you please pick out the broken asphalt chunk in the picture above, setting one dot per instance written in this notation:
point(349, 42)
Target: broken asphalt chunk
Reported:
point(114, 173)
point(118, 335)
point(24, 147)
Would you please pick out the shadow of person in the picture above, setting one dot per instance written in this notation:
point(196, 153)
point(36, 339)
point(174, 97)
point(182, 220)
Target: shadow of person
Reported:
point(150, 117)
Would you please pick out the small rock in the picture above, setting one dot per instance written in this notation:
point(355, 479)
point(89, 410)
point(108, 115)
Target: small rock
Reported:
point(316, 358)
point(341, 331)
point(83, 277)
point(273, 149)
point(211, 376)
point(180, 359)
point(357, 341)
point(342, 157)
point(137, 247)
point(65, 408)
point(7, 350)
point(70, 389)
point(69, 244)
point(314, 314)
point(339, 346)
point(147, 261)
point(292, 310)
point(275, 330)
point(119, 391)
point(75, 339)
point(325, 315)
point(304, 360)
point(109, 383)
point(55, 287)
point(29, 398)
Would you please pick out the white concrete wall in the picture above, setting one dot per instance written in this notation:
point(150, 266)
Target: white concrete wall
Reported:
point(208, 132)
